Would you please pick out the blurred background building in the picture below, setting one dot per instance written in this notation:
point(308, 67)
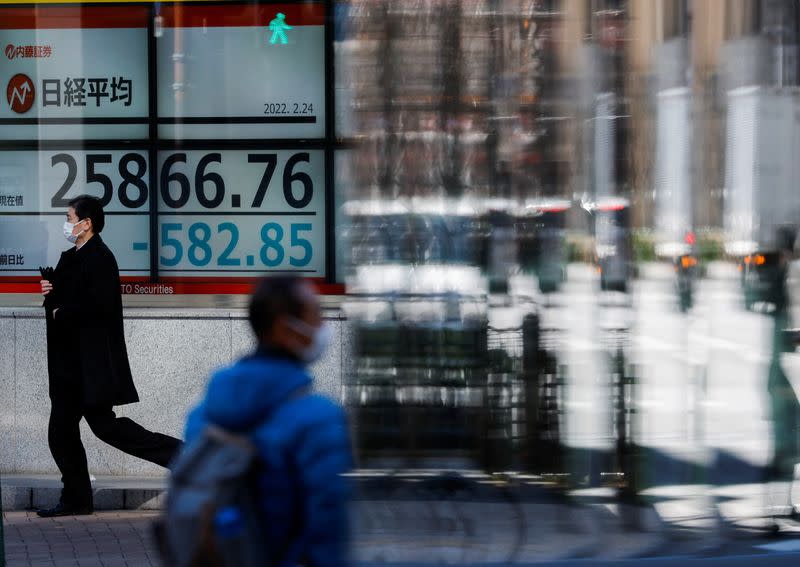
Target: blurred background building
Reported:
point(498, 148)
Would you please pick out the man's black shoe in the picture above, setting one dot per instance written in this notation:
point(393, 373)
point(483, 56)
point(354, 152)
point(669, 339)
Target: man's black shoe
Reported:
point(62, 510)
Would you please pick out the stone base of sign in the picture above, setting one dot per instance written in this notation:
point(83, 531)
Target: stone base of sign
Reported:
point(172, 354)
point(30, 492)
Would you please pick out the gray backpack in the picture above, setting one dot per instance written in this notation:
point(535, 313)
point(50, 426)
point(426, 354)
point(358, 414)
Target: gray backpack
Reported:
point(212, 517)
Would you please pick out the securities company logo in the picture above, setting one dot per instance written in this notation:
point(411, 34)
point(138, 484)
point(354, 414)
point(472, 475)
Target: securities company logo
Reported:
point(27, 51)
point(20, 93)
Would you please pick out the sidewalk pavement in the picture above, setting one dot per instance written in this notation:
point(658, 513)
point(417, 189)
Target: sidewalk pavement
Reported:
point(416, 520)
point(123, 538)
point(105, 539)
point(400, 522)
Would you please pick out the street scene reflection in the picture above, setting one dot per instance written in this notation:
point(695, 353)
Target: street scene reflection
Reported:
point(569, 240)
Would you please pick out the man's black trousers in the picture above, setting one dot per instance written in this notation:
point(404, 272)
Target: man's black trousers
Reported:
point(64, 437)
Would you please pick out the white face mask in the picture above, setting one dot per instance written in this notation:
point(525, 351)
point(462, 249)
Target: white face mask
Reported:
point(68, 228)
point(320, 339)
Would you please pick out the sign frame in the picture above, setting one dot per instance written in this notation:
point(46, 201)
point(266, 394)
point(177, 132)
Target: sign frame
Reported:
point(153, 145)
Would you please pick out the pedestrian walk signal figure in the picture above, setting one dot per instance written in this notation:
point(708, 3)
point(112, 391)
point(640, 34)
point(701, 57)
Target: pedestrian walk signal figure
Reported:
point(278, 27)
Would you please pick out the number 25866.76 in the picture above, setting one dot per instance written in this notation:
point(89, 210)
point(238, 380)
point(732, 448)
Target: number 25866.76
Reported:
point(175, 186)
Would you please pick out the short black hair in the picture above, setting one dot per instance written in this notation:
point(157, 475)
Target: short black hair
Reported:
point(274, 297)
point(88, 207)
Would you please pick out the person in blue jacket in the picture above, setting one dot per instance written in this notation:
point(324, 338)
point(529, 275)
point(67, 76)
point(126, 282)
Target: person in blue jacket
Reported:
point(268, 395)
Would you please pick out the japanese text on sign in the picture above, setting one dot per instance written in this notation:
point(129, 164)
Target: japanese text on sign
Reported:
point(28, 51)
point(75, 91)
point(12, 201)
point(12, 260)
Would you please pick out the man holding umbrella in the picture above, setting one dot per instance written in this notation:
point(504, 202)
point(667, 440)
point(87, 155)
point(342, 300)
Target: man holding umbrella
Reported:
point(87, 360)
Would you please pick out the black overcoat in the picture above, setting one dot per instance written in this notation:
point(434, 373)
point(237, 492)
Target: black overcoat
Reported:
point(85, 337)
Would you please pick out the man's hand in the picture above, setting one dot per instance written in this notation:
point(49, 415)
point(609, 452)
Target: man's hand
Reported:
point(47, 287)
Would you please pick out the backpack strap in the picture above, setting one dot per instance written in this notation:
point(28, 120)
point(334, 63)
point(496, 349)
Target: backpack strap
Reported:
point(218, 433)
point(244, 440)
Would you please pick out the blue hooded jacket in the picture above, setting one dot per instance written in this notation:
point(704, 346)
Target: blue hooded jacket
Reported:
point(303, 439)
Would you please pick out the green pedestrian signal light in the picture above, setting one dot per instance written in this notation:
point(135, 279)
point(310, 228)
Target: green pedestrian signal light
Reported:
point(278, 27)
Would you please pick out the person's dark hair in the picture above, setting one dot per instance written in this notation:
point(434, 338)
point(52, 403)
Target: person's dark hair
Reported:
point(88, 207)
point(274, 297)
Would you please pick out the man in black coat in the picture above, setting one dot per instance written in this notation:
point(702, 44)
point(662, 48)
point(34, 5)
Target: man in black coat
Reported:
point(87, 360)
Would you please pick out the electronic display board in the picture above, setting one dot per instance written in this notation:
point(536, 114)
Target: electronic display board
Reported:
point(249, 71)
point(72, 74)
point(201, 126)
